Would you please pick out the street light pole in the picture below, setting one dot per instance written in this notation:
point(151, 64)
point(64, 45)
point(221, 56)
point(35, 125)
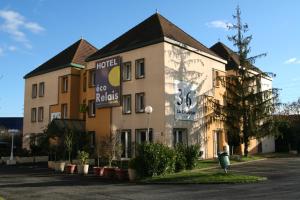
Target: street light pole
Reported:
point(148, 110)
point(12, 132)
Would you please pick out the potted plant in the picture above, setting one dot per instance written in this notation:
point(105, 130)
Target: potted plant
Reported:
point(69, 147)
point(98, 171)
point(83, 167)
point(132, 169)
point(121, 173)
point(110, 149)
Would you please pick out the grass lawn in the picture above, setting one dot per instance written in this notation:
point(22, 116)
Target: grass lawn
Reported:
point(1, 198)
point(200, 177)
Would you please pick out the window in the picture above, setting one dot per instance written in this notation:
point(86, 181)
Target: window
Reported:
point(127, 104)
point(92, 139)
point(64, 108)
point(142, 136)
point(127, 71)
point(126, 143)
point(40, 114)
point(41, 89)
point(84, 83)
point(92, 108)
point(216, 79)
point(140, 102)
point(64, 84)
point(139, 68)
point(179, 136)
point(34, 91)
point(92, 78)
point(33, 114)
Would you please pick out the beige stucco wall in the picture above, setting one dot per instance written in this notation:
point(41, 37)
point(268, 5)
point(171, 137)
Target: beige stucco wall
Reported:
point(153, 87)
point(50, 98)
point(188, 66)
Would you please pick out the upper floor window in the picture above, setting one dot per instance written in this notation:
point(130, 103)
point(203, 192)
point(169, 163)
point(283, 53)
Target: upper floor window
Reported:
point(216, 78)
point(33, 114)
point(40, 114)
point(41, 89)
point(140, 68)
point(92, 78)
point(126, 71)
point(64, 84)
point(34, 91)
point(127, 104)
point(92, 108)
point(140, 102)
point(64, 109)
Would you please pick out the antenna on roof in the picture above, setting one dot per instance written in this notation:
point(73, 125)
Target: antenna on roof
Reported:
point(156, 11)
point(218, 39)
point(81, 37)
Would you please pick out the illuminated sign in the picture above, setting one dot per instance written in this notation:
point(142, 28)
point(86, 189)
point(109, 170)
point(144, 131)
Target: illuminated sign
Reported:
point(108, 82)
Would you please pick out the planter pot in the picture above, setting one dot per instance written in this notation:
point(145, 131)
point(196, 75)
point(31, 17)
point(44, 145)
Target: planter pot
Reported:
point(70, 168)
point(60, 166)
point(132, 174)
point(83, 169)
point(121, 174)
point(109, 172)
point(51, 164)
point(98, 171)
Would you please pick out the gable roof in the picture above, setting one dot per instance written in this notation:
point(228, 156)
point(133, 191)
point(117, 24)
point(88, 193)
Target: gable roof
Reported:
point(228, 54)
point(11, 122)
point(151, 31)
point(73, 55)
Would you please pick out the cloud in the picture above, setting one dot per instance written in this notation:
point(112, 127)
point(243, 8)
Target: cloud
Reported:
point(292, 61)
point(222, 24)
point(12, 48)
point(15, 25)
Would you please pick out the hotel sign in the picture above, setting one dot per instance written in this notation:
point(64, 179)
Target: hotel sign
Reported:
point(185, 101)
point(108, 82)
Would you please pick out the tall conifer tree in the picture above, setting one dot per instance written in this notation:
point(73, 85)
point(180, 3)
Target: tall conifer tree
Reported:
point(248, 111)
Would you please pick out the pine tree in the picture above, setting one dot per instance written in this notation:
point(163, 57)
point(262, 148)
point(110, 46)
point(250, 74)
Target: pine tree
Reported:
point(249, 107)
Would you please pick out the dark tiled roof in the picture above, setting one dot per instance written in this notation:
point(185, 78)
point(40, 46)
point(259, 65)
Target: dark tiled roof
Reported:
point(11, 122)
point(228, 54)
point(150, 31)
point(71, 56)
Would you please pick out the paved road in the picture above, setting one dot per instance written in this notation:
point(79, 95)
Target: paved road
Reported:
point(39, 183)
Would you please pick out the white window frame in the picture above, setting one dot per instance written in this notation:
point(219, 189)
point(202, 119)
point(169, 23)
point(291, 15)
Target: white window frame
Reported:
point(140, 104)
point(138, 70)
point(92, 108)
point(126, 71)
point(127, 104)
point(127, 143)
point(40, 114)
point(33, 114)
point(138, 133)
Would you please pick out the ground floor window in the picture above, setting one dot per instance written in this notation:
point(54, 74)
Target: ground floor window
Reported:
point(126, 143)
point(179, 136)
point(92, 138)
point(142, 136)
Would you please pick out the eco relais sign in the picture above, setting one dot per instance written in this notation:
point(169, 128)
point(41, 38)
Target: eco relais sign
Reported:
point(108, 82)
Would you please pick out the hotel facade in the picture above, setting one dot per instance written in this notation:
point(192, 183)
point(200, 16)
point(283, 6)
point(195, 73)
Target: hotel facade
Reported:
point(153, 64)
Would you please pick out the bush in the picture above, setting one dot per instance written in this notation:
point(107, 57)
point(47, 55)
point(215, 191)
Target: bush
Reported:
point(180, 162)
point(191, 155)
point(83, 157)
point(153, 159)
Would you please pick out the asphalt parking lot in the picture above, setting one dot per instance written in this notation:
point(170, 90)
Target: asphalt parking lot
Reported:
point(37, 182)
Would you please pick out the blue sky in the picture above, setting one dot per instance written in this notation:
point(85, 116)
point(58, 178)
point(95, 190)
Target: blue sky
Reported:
point(32, 31)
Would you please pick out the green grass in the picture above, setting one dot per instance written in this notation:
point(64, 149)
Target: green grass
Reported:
point(248, 158)
point(1, 198)
point(201, 164)
point(198, 177)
